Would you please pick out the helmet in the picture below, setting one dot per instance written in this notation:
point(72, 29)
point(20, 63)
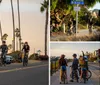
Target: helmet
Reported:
point(74, 55)
point(85, 57)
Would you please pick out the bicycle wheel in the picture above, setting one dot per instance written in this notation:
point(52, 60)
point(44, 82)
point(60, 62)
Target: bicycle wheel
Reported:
point(63, 78)
point(89, 74)
point(23, 61)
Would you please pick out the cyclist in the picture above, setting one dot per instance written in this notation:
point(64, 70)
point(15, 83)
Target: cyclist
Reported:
point(4, 50)
point(74, 67)
point(62, 66)
point(83, 63)
point(26, 49)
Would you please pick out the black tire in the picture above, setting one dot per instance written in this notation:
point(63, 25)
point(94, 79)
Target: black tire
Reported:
point(23, 62)
point(84, 76)
point(90, 74)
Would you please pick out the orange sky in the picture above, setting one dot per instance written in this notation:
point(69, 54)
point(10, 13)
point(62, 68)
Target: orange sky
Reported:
point(32, 22)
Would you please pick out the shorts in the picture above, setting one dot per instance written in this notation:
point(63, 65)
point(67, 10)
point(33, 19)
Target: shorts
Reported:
point(63, 68)
point(84, 69)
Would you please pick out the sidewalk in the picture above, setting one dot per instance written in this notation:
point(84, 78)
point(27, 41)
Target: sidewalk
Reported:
point(55, 79)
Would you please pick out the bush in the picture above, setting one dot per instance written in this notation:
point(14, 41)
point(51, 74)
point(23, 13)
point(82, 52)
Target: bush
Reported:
point(43, 57)
point(92, 59)
point(16, 56)
point(34, 57)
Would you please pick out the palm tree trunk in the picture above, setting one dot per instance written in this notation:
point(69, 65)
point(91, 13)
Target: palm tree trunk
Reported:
point(13, 25)
point(46, 29)
point(0, 30)
point(19, 24)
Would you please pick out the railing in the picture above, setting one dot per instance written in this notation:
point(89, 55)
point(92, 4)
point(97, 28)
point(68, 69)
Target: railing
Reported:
point(54, 66)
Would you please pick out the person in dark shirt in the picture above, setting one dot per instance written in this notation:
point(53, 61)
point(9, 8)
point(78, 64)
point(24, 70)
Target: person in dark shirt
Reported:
point(75, 64)
point(4, 50)
point(26, 49)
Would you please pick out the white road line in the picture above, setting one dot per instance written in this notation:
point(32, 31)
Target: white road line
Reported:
point(17, 69)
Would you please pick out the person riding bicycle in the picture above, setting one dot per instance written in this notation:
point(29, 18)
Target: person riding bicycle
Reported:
point(26, 49)
point(62, 66)
point(74, 67)
point(83, 63)
point(4, 50)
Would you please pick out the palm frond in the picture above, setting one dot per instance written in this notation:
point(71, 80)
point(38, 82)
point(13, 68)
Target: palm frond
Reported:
point(42, 9)
point(0, 1)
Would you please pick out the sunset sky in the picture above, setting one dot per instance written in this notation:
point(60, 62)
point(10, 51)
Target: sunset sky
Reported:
point(32, 22)
point(68, 49)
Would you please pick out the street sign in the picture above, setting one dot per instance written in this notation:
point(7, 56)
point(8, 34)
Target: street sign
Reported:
point(76, 8)
point(77, 2)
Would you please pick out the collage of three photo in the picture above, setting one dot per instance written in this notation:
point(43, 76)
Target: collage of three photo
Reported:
point(49, 42)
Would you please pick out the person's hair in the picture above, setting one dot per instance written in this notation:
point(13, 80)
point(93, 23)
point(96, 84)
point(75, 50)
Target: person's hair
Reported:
point(26, 42)
point(3, 41)
point(62, 56)
point(74, 55)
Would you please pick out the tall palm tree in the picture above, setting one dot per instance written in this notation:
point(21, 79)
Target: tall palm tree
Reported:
point(19, 24)
point(45, 7)
point(13, 20)
point(0, 26)
point(0, 30)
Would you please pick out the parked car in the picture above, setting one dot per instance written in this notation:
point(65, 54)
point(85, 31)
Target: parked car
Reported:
point(9, 59)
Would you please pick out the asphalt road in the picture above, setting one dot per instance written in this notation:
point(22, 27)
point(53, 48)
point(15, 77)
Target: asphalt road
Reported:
point(95, 68)
point(33, 74)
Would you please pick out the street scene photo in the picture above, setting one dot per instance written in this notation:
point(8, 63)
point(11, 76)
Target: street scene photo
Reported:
point(23, 42)
point(75, 63)
point(75, 20)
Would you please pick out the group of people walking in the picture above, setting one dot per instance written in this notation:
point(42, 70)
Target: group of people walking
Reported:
point(82, 62)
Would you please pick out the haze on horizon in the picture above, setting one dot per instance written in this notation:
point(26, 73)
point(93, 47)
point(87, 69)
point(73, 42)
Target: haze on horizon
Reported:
point(56, 49)
point(32, 22)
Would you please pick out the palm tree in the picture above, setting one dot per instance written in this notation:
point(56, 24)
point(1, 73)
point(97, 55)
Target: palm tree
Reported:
point(0, 26)
point(10, 46)
point(19, 24)
point(17, 32)
point(4, 37)
point(13, 25)
point(0, 30)
point(45, 7)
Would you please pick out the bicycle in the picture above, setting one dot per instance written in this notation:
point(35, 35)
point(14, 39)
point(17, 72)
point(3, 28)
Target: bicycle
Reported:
point(86, 74)
point(3, 59)
point(63, 78)
point(25, 59)
point(75, 75)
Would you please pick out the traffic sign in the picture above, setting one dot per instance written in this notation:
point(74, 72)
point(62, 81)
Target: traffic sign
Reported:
point(77, 8)
point(77, 2)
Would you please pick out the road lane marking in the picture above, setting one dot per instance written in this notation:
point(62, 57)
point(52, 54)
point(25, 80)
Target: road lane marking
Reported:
point(23, 68)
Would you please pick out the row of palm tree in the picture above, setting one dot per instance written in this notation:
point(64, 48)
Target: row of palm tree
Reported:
point(4, 37)
point(44, 7)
